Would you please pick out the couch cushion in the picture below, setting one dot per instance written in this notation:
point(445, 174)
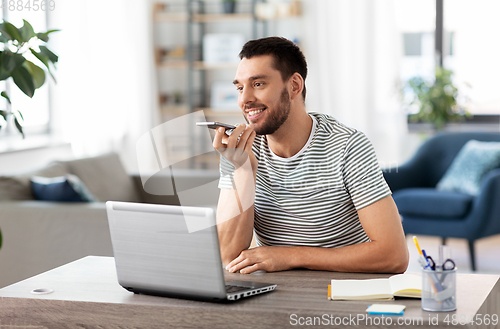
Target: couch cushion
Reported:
point(469, 167)
point(429, 202)
point(18, 187)
point(105, 177)
point(67, 188)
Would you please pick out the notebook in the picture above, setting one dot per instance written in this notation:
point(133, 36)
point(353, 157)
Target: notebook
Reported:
point(400, 285)
point(156, 253)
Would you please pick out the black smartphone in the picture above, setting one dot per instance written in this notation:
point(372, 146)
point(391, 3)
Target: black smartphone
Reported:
point(215, 125)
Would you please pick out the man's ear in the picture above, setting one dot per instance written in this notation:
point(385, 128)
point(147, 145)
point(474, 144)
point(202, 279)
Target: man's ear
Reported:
point(296, 85)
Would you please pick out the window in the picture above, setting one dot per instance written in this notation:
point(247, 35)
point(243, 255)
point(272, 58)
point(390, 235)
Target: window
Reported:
point(474, 26)
point(470, 49)
point(35, 110)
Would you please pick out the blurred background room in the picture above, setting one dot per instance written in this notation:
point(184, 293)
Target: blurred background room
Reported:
point(130, 74)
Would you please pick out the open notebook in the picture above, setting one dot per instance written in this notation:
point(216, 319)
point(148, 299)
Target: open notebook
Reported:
point(400, 285)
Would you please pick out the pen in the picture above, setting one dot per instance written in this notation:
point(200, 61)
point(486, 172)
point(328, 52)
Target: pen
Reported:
point(434, 279)
point(429, 261)
point(418, 247)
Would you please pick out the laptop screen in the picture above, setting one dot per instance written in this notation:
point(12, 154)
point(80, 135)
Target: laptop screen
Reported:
point(156, 248)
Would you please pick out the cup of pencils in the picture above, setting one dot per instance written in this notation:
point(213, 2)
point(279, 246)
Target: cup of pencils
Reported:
point(439, 289)
point(438, 280)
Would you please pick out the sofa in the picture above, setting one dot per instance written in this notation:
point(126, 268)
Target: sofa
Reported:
point(41, 235)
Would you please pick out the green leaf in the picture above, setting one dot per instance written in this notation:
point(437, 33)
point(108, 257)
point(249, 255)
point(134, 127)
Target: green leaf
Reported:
point(27, 31)
point(41, 57)
point(4, 95)
point(18, 126)
point(44, 60)
point(3, 31)
point(4, 114)
point(46, 52)
point(13, 32)
point(36, 72)
point(24, 80)
point(44, 36)
point(20, 114)
point(8, 62)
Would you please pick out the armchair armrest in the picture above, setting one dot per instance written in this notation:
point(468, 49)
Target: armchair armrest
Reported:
point(405, 176)
point(486, 207)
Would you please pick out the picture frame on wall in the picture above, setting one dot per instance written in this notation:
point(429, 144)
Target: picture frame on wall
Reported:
point(224, 96)
point(222, 47)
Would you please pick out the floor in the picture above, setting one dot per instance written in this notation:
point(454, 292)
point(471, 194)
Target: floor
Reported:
point(487, 253)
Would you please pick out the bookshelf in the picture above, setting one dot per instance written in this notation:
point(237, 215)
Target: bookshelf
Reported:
point(185, 78)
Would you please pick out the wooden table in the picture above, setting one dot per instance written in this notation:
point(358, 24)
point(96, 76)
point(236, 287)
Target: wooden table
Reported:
point(86, 294)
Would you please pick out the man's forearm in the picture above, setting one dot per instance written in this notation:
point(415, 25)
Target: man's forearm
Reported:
point(364, 257)
point(235, 215)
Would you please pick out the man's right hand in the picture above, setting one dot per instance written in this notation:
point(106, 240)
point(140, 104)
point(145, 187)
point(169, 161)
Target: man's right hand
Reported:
point(238, 203)
point(236, 148)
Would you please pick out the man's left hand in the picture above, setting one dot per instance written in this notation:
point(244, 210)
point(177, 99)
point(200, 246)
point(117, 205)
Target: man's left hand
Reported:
point(270, 259)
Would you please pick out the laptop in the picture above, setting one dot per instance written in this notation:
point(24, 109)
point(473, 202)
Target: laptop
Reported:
point(172, 251)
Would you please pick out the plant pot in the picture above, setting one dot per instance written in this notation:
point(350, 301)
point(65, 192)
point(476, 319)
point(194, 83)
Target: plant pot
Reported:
point(229, 7)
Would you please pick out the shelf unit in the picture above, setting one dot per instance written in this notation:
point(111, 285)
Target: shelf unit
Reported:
point(194, 16)
point(184, 60)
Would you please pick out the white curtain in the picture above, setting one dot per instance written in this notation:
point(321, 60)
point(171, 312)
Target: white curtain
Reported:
point(353, 49)
point(104, 98)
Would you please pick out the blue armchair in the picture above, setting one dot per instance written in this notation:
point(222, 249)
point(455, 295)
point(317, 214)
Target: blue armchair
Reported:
point(428, 211)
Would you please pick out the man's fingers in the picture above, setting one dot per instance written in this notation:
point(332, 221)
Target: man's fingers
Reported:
point(249, 143)
point(244, 138)
point(235, 268)
point(232, 141)
point(218, 143)
point(250, 269)
point(234, 262)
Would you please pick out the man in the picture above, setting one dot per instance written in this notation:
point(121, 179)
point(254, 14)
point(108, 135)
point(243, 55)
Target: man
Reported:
point(321, 201)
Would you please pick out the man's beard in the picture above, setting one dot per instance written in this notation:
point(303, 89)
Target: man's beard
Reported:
point(277, 116)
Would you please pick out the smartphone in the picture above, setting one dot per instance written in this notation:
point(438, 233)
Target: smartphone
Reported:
point(215, 125)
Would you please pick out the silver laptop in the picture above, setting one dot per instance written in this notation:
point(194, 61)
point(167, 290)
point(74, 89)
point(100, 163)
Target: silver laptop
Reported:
point(172, 251)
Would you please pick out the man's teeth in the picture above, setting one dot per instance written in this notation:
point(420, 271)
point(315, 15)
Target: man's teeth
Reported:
point(255, 112)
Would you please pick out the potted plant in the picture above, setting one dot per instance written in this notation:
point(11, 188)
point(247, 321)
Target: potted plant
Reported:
point(229, 6)
point(18, 45)
point(437, 100)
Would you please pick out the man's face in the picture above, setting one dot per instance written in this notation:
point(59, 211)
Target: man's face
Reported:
point(263, 96)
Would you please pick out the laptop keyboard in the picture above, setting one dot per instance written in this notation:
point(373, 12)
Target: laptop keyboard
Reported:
point(231, 288)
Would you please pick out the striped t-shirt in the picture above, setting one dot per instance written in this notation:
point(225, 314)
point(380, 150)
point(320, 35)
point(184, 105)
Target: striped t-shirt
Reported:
point(312, 198)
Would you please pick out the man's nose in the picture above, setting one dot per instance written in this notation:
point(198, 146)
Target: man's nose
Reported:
point(246, 97)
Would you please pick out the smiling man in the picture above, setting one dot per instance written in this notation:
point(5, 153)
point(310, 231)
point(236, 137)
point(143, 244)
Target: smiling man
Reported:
point(307, 185)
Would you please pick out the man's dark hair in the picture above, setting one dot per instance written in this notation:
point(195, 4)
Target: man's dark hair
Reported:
point(288, 58)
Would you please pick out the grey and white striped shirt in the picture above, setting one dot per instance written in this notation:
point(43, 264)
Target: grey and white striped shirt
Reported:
point(312, 198)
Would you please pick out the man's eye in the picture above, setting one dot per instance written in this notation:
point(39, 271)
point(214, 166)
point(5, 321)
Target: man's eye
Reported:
point(258, 84)
point(239, 88)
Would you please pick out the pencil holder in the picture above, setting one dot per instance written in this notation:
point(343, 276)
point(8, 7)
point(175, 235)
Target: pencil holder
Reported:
point(439, 290)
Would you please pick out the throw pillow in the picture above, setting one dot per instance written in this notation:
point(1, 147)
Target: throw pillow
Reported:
point(469, 167)
point(18, 187)
point(68, 188)
point(105, 177)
